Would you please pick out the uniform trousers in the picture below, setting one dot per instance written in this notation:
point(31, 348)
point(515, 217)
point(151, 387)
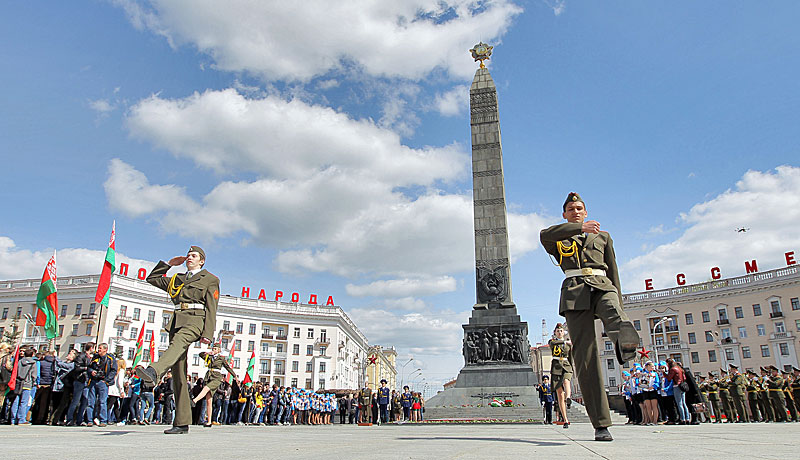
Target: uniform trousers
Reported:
point(738, 405)
point(605, 306)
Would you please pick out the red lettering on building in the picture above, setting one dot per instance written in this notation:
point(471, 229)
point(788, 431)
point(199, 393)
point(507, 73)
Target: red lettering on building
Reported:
point(141, 274)
point(262, 295)
point(681, 279)
point(123, 269)
point(790, 258)
point(312, 300)
point(715, 273)
point(245, 292)
point(295, 297)
point(648, 284)
point(330, 301)
point(751, 267)
point(278, 295)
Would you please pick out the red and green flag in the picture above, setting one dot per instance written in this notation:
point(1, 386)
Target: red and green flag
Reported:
point(104, 286)
point(152, 348)
point(47, 300)
point(12, 384)
point(139, 347)
point(251, 369)
point(230, 360)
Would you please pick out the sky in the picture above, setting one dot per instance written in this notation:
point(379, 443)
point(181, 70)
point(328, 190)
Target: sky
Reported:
point(323, 147)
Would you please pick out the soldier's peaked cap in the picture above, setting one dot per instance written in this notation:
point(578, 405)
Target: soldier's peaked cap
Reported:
point(795, 369)
point(733, 366)
point(198, 250)
point(723, 370)
point(711, 374)
point(572, 197)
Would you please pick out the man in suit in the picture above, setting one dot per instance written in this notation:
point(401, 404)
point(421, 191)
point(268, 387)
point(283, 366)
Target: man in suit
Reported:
point(195, 295)
point(591, 290)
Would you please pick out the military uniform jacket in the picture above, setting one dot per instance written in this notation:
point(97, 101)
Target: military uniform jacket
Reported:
point(736, 385)
point(202, 288)
point(775, 385)
point(713, 389)
point(365, 397)
point(562, 357)
point(215, 364)
point(594, 251)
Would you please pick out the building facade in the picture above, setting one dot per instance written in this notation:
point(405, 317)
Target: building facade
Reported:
point(750, 321)
point(384, 367)
point(295, 344)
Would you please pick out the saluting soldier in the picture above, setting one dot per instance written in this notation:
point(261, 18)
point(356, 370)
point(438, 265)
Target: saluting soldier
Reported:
point(713, 396)
point(764, 403)
point(725, 396)
point(213, 378)
point(752, 396)
point(195, 295)
point(787, 394)
point(736, 388)
point(591, 290)
point(775, 384)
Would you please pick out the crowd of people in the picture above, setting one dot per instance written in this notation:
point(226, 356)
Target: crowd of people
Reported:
point(667, 393)
point(92, 388)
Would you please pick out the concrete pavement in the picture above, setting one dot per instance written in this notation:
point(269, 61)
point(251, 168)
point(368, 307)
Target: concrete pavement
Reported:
point(408, 441)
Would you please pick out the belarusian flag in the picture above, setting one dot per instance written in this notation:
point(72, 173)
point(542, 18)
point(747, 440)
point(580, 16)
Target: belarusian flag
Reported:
point(104, 286)
point(152, 348)
point(251, 369)
point(12, 383)
point(230, 360)
point(139, 346)
point(47, 300)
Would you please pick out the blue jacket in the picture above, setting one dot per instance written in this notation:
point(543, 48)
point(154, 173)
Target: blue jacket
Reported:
point(545, 393)
point(383, 395)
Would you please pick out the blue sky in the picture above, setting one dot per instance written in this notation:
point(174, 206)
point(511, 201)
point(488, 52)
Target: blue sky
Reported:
point(324, 149)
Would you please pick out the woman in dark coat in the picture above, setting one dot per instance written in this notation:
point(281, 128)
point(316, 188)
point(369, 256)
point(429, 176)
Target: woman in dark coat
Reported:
point(693, 395)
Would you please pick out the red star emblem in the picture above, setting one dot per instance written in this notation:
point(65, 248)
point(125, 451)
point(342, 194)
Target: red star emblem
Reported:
point(372, 359)
point(644, 354)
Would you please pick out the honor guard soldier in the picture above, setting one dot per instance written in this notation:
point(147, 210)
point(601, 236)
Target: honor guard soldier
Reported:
point(775, 384)
point(713, 396)
point(787, 394)
point(195, 295)
point(213, 378)
point(736, 388)
point(383, 401)
point(764, 403)
point(365, 404)
point(591, 290)
point(752, 396)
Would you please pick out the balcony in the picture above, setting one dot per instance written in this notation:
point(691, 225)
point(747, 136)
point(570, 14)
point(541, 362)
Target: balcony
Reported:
point(273, 355)
point(781, 336)
point(123, 319)
point(671, 328)
point(723, 322)
point(776, 314)
point(89, 316)
point(322, 341)
point(279, 372)
point(267, 336)
point(609, 352)
point(282, 337)
point(672, 346)
point(226, 333)
point(729, 341)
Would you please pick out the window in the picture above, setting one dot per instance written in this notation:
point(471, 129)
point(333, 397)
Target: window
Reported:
point(738, 312)
point(123, 310)
point(151, 316)
point(5, 311)
point(745, 352)
point(92, 307)
point(692, 337)
point(608, 345)
point(89, 329)
point(236, 363)
point(659, 340)
point(322, 350)
point(296, 349)
point(296, 332)
point(689, 319)
point(729, 354)
point(134, 333)
point(295, 366)
point(237, 345)
point(637, 325)
point(280, 332)
point(279, 367)
point(279, 348)
point(742, 332)
point(760, 329)
point(75, 330)
point(226, 325)
point(756, 309)
point(224, 343)
point(309, 367)
point(674, 339)
point(321, 384)
point(310, 333)
point(709, 336)
point(165, 320)
point(19, 312)
point(765, 351)
point(163, 338)
point(251, 345)
point(610, 363)
point(776, 306)
point(712, 356)
point(137, 312)
point(706, 317)
point(265, 330)
point(77, 310)
point(264, 366)
point(309, 350)
point(264, 347)
point(795, 303)
point(308, 384)
point(60, 330)
point(131, 353)
point(252, 328)
point(120, 331)
point(797, 324)
point(294, 382)
point(695, 357)
point(784, 348)
point(612, 381)
point(64, 309)
point(322, 366)
point(239, 328)
point(323, 335)
point(779, 327)
point(726, 333)
point(723, 314)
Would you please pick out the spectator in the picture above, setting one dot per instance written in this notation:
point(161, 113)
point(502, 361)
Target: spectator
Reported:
point(677, 377)
point(26, 381)
point(115, 391)
point(6, 367)
point(80, 389)
point(62, 386)
point(41, 403)
point(666, 398)
point(649, 383)
point(102, 374)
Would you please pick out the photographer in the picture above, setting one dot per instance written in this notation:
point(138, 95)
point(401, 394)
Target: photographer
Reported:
point(102, 374)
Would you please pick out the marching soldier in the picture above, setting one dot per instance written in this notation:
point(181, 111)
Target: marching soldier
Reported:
point(787, 395)
point(752, 396)
point(195, 295)
point(213, 378)
point(591, 290)
point(775, 384)
point(764, 403)
point(737, 393)
point(713, 397)
point(725, 396)
point(561, 370)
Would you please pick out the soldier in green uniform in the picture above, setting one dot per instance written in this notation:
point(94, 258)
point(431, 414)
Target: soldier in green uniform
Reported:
point(703, 387)
point(591, 290)
point(787, 394)
point(775, 384)
point(365, 404)
point(764, 403)
point(737, 392)
point(213, 378)
point(795, 386)
point(751, 385)
point(725, 396)
point(195, 295)
point(561, 370)
point(713, 396)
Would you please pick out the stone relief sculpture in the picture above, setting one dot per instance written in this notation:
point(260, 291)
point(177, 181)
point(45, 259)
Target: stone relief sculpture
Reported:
point(493, 345)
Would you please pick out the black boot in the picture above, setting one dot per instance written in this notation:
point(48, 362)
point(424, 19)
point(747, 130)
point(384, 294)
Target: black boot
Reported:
point(602, 434)
point(177, 430)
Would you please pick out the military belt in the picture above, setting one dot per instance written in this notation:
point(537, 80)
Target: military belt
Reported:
point(584, 272)
point(189, 306)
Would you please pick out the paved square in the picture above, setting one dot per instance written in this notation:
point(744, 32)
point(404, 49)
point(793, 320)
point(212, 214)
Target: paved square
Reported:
point(762, 441)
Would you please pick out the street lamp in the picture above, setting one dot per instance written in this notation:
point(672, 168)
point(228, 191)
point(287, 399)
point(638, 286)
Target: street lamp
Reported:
point(402, 379)
point(663, 320)
point(402, 368)
point(721, 350)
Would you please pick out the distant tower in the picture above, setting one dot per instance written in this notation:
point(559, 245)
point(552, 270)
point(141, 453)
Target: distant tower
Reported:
point(544, 331)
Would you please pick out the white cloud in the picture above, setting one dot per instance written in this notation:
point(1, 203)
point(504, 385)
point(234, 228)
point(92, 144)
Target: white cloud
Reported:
point(431, 333)
point(101, 106)
point(18, 263)
point(129, 191)
point(403, 287)
point(407, 304)
point(766, 202)
point(299, 40)
point(453, 102)
point(558, 6)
